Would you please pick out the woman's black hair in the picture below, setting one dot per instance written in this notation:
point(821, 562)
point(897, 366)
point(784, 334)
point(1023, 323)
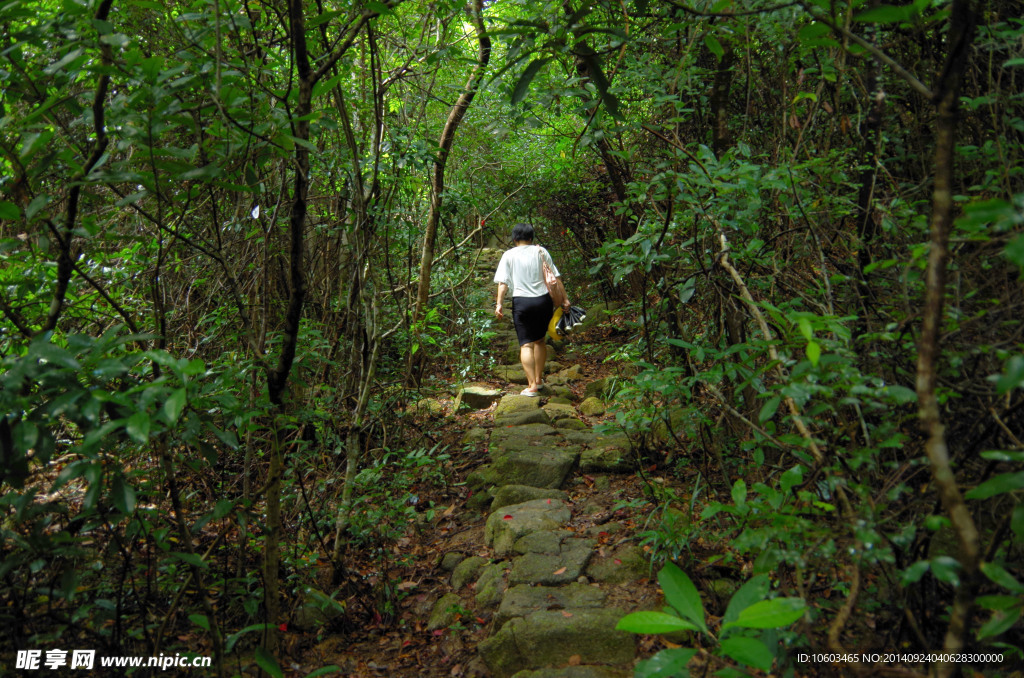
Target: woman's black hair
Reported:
point(522, 231)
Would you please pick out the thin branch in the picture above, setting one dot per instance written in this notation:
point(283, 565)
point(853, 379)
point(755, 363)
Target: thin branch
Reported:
point(874, 51)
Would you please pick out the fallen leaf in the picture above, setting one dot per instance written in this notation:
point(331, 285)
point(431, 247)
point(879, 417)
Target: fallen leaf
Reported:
point(560, 570)
point(406, 585)
point(508, 516)
point(566, 614)
point(448, 511)
point(575, 660)
point(618, 562)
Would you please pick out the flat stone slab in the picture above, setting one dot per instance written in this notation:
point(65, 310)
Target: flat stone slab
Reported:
point(444, 612)
point(545, 541)
point(577, 672)
point(592, 407)
point(559, 411)
point(491, 585)
point(504, 527)
point(530, 435)
point(476, 397)
point(511, 373)
point(522, 418)
point(551, 637)
point(516, 403)
point(625, 564)
point(601, 452)
point(523, 600)
point(536, 468)
point(553, 569)
point(466, 571)
point(517, 494)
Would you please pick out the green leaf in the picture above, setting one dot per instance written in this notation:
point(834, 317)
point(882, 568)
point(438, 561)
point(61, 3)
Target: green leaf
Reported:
point(669, 663)
point(884, 14)
point(653, 622)
point(999, 623)
point(9, 211)
point(268, 663)
point(1014, 251)
point(1012, 376)
point(37, 203)
point(755, 589)
point(200, 620)
point(523, 86)
point(138, 427)
point(813, 352)
point(331, 670)
point(1014, 456)
point(901, 394)
point(42, 349)
point(946, 570)
point(913, 574)
point(1000, 484)
point(813, 31)
point(998, 575)
point(175, 404)
point(682, 594)
point(791, 478)
point(749, 652)
point(379, 7)
point(593, 62)
point(234, 637)
point(123, 495)
point(805, 327)
point(195, 367)
point(714, 46)
point(770, 614)
point(206, 172)
point(768, 409)
point(1017, 521)
point(190, 558)
point(739, 493)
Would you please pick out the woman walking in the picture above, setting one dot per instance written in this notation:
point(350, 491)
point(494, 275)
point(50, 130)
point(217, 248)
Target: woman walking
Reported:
point(520, 271)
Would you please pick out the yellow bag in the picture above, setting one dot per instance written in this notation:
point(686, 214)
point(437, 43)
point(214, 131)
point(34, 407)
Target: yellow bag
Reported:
point(553, 325)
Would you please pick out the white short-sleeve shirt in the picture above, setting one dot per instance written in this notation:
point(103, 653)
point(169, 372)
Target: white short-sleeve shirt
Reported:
point(519, 268)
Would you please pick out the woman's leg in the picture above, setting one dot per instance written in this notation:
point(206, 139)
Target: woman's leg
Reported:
point(528, 357)
point(533, 356)
point(540, 356)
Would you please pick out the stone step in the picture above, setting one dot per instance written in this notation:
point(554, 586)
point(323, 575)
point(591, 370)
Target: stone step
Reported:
point(506, 526)
point(578, 672)
point(551, 638)
point(507, 495)
point(523, 600)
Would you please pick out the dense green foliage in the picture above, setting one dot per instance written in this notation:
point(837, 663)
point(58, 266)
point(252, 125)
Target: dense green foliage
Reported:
point(211, 217)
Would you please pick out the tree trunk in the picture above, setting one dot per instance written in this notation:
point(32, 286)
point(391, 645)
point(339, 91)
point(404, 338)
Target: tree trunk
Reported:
point(947, 92)
point(455, 117)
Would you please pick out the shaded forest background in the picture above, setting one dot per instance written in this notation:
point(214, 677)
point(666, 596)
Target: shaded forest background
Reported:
point(237, 240)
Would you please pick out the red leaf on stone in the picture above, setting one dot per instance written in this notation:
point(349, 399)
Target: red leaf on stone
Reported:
point(618, 562)
point(560, 570)
point(508, 516)
point(549, 501)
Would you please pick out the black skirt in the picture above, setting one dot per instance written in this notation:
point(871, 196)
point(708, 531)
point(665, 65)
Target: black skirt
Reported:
point(531, 316)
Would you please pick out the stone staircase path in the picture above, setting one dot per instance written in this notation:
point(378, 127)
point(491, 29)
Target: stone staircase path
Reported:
point(544, 584)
